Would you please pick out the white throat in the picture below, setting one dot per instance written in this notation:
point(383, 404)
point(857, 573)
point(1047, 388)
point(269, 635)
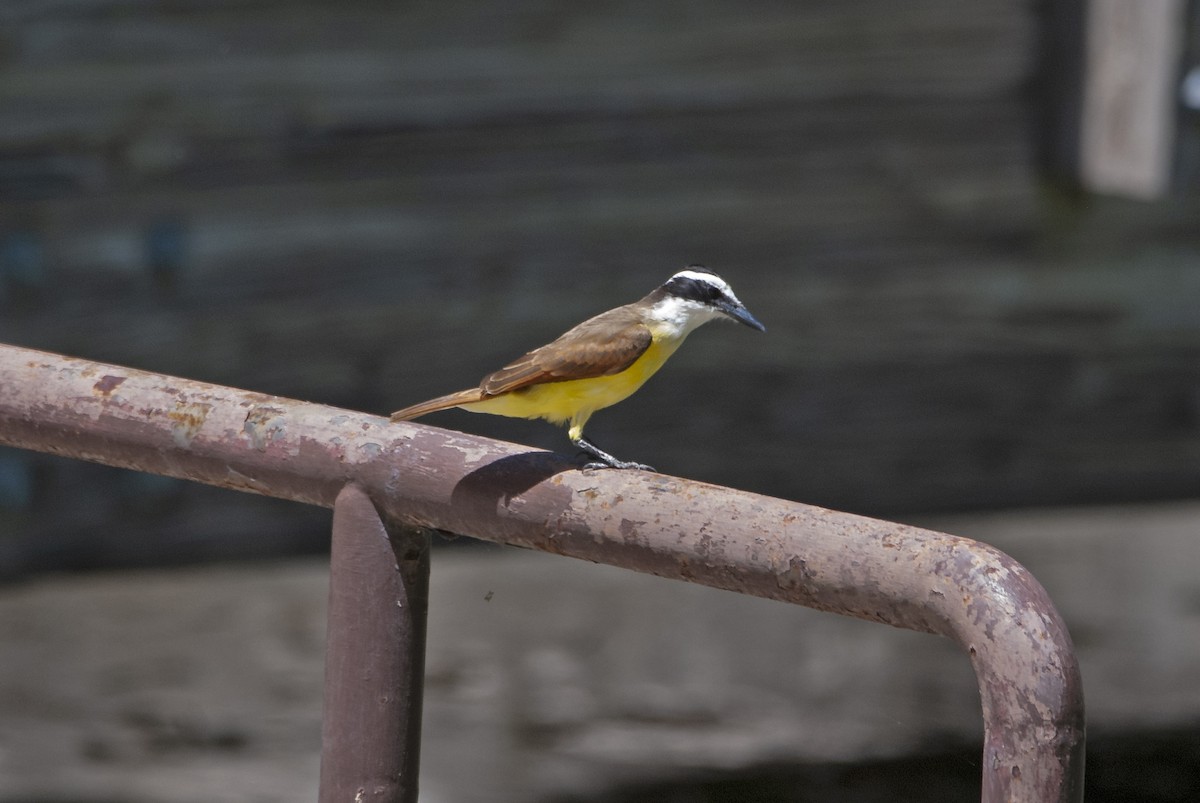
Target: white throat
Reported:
point(673, 317)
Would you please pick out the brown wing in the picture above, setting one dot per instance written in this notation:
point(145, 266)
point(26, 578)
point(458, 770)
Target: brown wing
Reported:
point(606, 344)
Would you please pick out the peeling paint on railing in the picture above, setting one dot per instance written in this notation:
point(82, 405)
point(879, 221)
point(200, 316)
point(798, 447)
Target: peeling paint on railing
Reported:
point(422, 477)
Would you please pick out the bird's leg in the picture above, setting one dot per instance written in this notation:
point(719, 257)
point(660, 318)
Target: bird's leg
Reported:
point(603, 458)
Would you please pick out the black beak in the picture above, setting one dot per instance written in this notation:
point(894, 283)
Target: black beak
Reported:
point(740, 314)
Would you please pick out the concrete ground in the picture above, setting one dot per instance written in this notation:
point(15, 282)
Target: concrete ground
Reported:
point(549, 678)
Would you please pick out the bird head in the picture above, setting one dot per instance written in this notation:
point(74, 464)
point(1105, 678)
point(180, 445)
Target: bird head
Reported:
point(696, 295)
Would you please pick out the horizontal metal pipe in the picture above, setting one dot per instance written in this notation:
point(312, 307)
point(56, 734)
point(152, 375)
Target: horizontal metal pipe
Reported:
point(427, 477)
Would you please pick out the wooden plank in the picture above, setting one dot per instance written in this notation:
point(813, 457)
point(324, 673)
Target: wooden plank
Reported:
point(1128, 131)
point(97, 77)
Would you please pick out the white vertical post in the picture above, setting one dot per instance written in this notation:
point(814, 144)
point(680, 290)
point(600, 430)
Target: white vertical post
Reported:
point(1131, 89)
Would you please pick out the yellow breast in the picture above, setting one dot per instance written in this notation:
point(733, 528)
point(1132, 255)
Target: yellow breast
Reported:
point(574, 400)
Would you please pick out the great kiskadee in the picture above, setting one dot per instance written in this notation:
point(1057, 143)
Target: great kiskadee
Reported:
point(599, 362)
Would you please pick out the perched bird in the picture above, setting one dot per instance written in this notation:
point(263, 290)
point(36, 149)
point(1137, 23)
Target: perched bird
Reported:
point(599, 362)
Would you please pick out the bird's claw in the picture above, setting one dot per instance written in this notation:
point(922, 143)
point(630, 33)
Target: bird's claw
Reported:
point(597, 464)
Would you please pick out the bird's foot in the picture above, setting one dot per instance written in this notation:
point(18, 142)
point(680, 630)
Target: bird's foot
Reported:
point(603, 459)
point(595, 464)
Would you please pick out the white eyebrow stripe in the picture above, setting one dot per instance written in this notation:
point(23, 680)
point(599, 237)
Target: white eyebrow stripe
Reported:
point(707, 278)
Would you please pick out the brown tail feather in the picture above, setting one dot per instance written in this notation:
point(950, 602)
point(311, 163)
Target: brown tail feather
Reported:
point(440, 403)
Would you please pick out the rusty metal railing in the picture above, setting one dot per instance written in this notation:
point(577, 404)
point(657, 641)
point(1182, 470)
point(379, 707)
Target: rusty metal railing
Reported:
point(389, 484)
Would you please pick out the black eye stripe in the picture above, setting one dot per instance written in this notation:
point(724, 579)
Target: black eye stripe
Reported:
point(693, 289)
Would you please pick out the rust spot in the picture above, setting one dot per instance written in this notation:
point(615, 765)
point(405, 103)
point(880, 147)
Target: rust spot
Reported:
point(797, 574)
point(264, 424)
point(630, 533)
point(107, 384)
point(186, 421)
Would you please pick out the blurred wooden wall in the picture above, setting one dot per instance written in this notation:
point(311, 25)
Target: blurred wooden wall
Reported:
point(366, 203)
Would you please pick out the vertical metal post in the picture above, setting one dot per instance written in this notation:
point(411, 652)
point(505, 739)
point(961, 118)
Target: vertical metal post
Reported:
point(375, 656)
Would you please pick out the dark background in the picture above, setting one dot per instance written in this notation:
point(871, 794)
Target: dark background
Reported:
point(370, 203)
